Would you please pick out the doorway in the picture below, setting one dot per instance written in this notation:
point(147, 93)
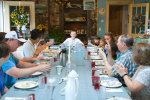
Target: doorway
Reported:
point(118, 19)
point(123, 22)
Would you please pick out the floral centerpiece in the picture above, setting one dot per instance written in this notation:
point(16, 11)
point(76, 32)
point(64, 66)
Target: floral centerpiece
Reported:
point(19, 17)
point(60, 2)
point(41, 27)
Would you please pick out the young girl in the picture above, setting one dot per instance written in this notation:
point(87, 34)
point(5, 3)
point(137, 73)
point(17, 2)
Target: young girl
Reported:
point(102, 43)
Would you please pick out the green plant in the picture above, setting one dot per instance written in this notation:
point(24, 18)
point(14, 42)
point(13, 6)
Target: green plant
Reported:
point(57, 35)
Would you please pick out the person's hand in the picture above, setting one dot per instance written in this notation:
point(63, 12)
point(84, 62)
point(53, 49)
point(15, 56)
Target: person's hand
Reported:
point(89, 43)
point(121, 69)
point(44, 68)
point(49, 43)
point(41, 48)
point(108, 47)
point(102, 54)
point(41, 58)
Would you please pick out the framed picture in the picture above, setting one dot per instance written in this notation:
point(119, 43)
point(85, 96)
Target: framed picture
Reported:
point(89, 5)
point(40, 8)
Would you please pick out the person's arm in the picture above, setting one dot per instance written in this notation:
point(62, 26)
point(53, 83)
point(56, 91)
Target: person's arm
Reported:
point(38, 50)
point(93, 45)
point(107, 65)
point(49, 51)
point(109, 56)
point(5, 90)
point(28, 59)
point(133, 86)
point(20, 73)
point(22, 64)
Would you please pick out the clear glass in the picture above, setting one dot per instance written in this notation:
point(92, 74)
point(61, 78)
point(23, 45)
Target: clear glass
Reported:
point(102, 93)
point(79, 46)
point(51, 40)
point(51, 81)
point(41, 82)
point(89, 41)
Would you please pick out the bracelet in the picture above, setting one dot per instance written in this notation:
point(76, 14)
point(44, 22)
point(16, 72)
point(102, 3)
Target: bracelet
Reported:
point(104, 60)
point(124, 75)
point(36, 54)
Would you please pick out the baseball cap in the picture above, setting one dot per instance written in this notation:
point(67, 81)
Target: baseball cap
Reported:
point(15, 35)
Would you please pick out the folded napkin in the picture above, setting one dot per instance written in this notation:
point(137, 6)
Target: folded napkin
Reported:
point(97, 60)
point(113, 90)
point(14, 98)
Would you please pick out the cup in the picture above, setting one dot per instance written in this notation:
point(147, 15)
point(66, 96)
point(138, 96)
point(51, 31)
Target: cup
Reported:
point(41, 82)
point(30, 97)
point(45, 80)
point(89, 41)
point(89, 52)
point(93, 72)
point(51, 40)
point(102, 93)
point(95, 78)
point(85, 46)
point(55, 59)
point(59, 69)
point(92, 64)
point(96, 84)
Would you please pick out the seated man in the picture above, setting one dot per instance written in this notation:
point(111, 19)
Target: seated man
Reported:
point(124, 44)
point(29, 49)
point(14, 68)
point(73, 40)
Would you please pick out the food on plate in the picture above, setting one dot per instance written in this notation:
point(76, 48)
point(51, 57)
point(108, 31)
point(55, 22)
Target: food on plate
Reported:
point(44, 63)
point(26, 85)
point(99, 63)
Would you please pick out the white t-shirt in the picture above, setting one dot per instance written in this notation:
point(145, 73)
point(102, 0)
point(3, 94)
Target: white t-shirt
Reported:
point(17, 55)
point(72, 42)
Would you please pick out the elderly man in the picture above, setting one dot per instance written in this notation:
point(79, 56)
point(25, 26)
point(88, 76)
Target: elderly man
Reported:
point(14, 68)
point(124, 44)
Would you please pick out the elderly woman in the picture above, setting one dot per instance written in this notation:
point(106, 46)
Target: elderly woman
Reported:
point(139, 85)
point(4, 55)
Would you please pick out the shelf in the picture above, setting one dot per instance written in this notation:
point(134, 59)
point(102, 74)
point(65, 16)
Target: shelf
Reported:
point(75, 21)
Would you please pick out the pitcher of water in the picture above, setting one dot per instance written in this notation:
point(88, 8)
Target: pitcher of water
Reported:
point(72, 86)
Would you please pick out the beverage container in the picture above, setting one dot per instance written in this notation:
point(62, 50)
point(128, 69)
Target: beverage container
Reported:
point(41, 82)
point(89, 41)
point(92, 64)
point(95, 78)
point(93, 72)
point(45, 79)
point(96, 84)
point(55, 59)
point(59, 69)
point(30, 97)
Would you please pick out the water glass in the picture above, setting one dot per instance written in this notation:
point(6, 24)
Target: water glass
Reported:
point(41, 82)
point(30, 97)
point(59, 69)
point(102, 93)
point(79, 46)
point(51, 40)
point(51, 81)
point(89, 41)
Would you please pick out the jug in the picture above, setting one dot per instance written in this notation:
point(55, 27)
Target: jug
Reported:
point(63, 57)
point(72, 86)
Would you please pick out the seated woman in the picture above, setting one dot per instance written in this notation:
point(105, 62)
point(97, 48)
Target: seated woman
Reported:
point(139, 85)
point(4, 55)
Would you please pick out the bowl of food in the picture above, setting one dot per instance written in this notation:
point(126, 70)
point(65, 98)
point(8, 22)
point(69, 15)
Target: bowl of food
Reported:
point(111, 82)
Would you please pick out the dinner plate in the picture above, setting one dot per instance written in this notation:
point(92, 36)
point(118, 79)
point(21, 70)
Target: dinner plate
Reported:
point(116, 83)
point(93, 54)
point(47, 58)
point(99, 63)
point(95, 57)
point(14, 98)
point(44, 63)
point(102, 71)
point(118, 98)
point(37, 73)
point(26, 84)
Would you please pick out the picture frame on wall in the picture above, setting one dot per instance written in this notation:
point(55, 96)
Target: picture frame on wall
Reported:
point(88, 4)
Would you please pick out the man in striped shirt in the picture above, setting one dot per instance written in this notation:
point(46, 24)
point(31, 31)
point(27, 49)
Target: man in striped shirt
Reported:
point(124, 44)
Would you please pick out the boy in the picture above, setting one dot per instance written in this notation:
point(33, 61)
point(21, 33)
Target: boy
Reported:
point(96, 40)
point(73, 41)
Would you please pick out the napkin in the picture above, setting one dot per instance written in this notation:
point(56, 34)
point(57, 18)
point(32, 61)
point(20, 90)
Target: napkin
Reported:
point(14, 98)
point(113, 90)
point(100, 67)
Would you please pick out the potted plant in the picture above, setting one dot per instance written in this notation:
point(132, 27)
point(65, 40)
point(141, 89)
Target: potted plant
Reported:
point(57, 35)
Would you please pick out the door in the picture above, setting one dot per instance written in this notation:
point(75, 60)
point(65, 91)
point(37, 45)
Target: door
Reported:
point(9, 6)
point(115, 20)
point(143, 9)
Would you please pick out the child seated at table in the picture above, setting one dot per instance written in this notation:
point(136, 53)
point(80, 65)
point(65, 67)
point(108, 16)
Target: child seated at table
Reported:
point(96, 41)
point(46, 50)
point(73, 41)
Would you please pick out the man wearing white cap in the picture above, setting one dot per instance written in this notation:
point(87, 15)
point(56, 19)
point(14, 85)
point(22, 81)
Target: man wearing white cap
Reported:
point(14, 68)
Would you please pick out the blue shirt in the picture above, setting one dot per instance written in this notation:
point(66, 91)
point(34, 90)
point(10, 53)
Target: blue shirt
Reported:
point(96, 44)
point(28, 49)
point(12, 62)
point(2, 81)
point(126, 60)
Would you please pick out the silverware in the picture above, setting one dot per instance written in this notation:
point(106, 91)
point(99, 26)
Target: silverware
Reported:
point(52, 92)
point(24, 89)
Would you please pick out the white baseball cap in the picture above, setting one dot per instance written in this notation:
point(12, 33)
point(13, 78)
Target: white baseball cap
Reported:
point(14, 35)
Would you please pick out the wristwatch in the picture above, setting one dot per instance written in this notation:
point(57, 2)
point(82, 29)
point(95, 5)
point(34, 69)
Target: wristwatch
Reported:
point(124, 75)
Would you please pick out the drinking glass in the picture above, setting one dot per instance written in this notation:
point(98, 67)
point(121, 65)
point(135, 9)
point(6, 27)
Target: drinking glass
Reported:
point(92, 64)
point(95, 78)
point(51, 81)
point(51, 40)
point(102, 93)
point(93, 72)
point(30, 97)
point(89, 41)
point(41, 82)
point(96, 84)
point(79, 46)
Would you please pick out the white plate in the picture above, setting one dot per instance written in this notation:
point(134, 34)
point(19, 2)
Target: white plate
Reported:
point(47, 58)
point(102, 71)
point(118, 98)
point(37, 73)
point(99, 63)
point(104, 83)
point(93, 54)
point(44, 63)
point(14, 98)
point(26, 84)
point(95, 57)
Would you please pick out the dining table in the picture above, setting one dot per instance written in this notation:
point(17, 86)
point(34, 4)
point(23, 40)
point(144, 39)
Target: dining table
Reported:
point(86, 89)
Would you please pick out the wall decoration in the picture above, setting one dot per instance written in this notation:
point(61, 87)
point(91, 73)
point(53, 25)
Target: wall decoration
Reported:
point(89, 5)
point(102, 11)
point(60, 2)
point(137, 20)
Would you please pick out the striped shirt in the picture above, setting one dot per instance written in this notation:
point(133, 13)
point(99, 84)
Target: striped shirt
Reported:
point(126, 60)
